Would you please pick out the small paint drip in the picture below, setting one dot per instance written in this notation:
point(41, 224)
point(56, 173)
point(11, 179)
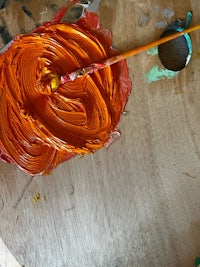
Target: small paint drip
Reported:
point(113, 136)
point(168, 13)
point(36, 198)
point(126, 112)
point(157, 74)
point(153, 51)
point(144, 19)
point(161, 24)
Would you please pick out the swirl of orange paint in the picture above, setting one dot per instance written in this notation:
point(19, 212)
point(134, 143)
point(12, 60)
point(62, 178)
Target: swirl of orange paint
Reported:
point(41, 127)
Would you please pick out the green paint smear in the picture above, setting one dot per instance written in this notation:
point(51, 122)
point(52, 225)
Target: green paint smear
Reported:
point(157, 74)
point(152, 51)
point(197, 262)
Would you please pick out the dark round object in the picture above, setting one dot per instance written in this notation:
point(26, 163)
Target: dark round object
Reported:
point(174, 54)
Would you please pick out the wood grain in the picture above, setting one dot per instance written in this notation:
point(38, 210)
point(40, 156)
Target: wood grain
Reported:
point(137, 203)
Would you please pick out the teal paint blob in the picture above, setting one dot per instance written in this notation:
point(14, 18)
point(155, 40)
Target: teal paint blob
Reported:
point(157, 74)
point(152, 51)
point(188, 19)
point(197, 262)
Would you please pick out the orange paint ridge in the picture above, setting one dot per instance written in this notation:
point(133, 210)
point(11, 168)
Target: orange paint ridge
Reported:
point(43, 122)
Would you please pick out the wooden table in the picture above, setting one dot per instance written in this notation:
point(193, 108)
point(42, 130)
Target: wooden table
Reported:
point(137, 203)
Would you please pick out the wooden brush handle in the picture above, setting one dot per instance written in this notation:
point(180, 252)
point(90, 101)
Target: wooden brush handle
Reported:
point(100, 65)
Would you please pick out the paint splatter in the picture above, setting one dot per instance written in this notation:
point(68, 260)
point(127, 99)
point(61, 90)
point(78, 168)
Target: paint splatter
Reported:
point(144, 19)
point(161, 24)
point(168, 13)
point(36, 198)
point(153, 51)
point(157, 74)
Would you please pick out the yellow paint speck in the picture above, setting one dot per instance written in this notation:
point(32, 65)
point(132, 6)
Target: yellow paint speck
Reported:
point(36, 197)
point(54, 82)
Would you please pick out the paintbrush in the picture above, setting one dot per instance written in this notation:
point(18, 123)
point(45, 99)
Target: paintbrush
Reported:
point(110, 61)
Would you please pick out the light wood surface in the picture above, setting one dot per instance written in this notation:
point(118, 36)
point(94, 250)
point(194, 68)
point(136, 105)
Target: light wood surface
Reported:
point(137, 203)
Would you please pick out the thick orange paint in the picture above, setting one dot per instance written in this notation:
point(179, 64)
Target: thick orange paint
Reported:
point(41, 127)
